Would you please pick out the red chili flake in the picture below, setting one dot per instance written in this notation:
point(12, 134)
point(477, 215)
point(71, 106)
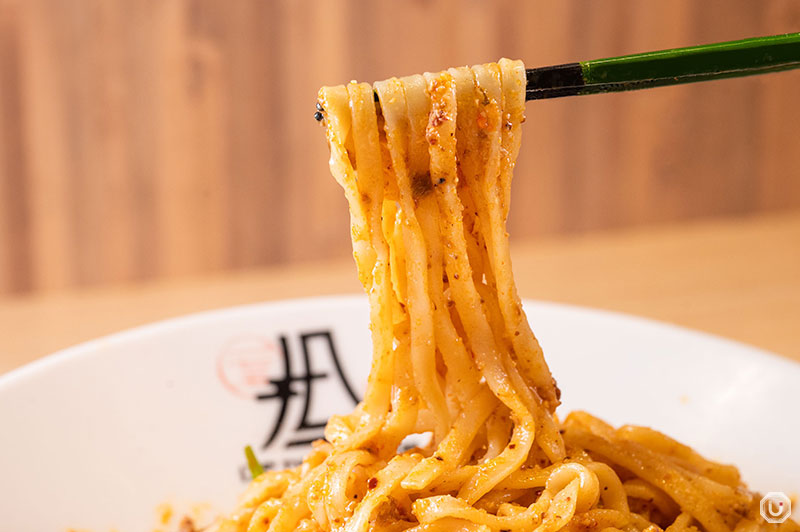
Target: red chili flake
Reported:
point(372, 483)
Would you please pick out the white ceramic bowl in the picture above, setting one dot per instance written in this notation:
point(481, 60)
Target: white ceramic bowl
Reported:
point(97, 436)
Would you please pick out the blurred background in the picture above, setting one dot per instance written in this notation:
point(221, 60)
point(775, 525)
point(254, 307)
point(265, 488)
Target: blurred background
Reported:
point(155, 139)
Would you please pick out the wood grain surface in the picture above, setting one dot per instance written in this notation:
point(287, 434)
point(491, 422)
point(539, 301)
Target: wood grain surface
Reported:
point(155, 139)
point(735, 278)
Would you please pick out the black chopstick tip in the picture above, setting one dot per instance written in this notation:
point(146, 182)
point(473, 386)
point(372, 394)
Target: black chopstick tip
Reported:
point(557, 76)
point(554, 81)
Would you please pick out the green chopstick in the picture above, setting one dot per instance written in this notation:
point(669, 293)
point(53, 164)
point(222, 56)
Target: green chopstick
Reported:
point(706, 62)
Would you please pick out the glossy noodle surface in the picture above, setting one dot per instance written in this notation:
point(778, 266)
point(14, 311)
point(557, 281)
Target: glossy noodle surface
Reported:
point(427, 174)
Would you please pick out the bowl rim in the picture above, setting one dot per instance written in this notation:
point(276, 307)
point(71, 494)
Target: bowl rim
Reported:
point(89, 348)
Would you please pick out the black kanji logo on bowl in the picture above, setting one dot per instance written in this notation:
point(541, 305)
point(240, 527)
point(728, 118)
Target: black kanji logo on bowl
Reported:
point(305, 383)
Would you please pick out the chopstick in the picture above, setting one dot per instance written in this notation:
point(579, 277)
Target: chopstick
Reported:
point(706, 62)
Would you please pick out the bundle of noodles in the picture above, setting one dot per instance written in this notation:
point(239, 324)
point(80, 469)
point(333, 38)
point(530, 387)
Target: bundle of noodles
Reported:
point(427, 174)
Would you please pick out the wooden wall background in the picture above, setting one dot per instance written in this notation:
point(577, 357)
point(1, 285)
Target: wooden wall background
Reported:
point(170, 137)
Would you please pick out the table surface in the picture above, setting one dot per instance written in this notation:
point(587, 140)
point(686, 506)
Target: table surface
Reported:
point(738, 278)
